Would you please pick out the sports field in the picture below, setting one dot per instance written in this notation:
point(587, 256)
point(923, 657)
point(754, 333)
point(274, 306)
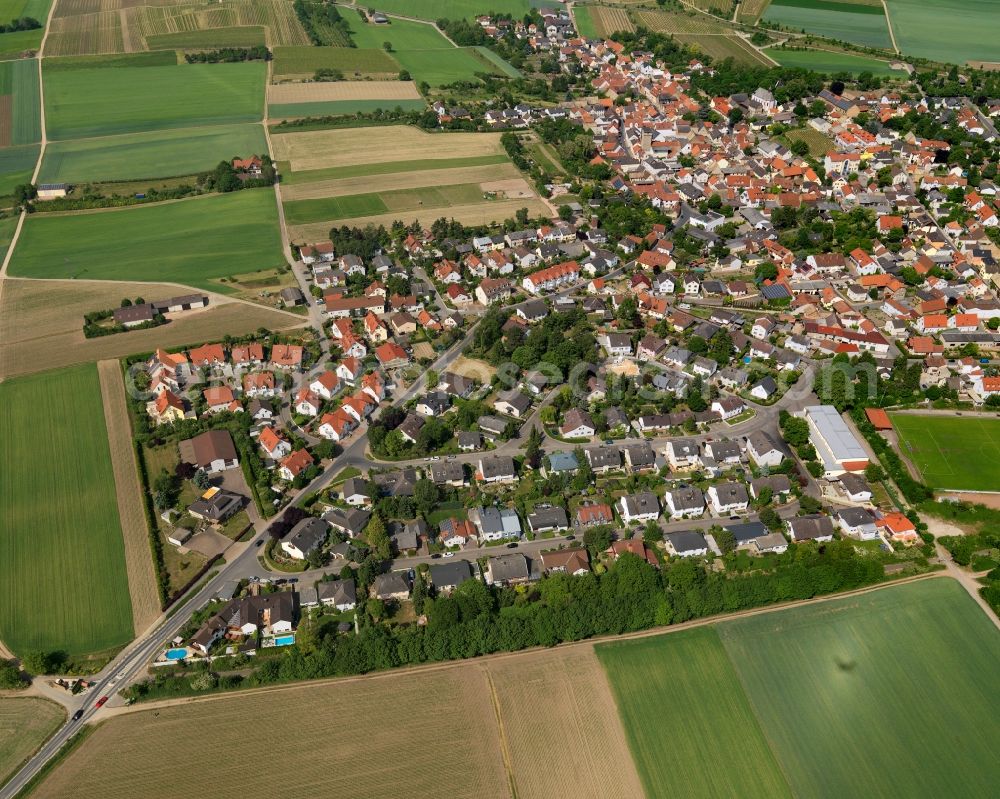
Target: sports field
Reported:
point(950, 451)
point(830, 62)
point(99, 102)
point(891, 693)
point(352, 61)
point(157, 154)
point(25, 724)
point(947, 30)
point(221, 235)
point(858, 23)
point(681, 705)
point(63, 584)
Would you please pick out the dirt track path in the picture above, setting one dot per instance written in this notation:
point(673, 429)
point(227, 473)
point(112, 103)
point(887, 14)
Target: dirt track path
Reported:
point(135, 536)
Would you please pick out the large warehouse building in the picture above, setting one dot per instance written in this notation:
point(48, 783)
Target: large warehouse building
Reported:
point(838, 448)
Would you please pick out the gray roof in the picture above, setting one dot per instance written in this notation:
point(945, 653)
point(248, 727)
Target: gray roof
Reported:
point(496, 520)
point(509, 567)
point(548, 518)
point(690, 498)
point(686, 540)
point(339, 592)
point(308, 534)
point(450, 575)
point(854, 517)
point(814, 526)
point(351, 521)
point(746, 531)
point(391, 583)
point(498, 466)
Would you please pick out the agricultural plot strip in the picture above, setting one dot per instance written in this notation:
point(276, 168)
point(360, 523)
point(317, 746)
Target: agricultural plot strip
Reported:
point(342, 90)
point(138, 558)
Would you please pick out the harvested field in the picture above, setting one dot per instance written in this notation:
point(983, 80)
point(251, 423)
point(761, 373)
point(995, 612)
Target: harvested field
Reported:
point(750, 10)
point(471, 214)
point(451, 708)
point(304, 61)
point(323, 149)
point(342, 90)
point(721, 47)
point(399, 181)
point(41, 322)
point(138, 557)
point(26, 722)
point(609, 20)
point(558, 702)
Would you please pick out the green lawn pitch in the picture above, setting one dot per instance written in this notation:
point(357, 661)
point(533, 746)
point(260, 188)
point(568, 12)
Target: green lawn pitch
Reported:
point(157, 154)
point(959, 452)
point(99, 102)
point(62, 561)
point(189, 241)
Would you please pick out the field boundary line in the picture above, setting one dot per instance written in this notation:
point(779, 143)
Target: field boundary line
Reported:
point(508, 763)
point(888, 24)
point(135, 535)
point(452, 664)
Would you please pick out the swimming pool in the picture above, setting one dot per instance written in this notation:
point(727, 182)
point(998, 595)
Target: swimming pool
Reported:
point(176, 654)
point(285, 640)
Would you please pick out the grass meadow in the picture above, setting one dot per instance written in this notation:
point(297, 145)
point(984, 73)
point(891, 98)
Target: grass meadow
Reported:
point(157, 154)
point(952, 452)
point(83, 103)
point(350, 60)
point(830, 62)
point(290, 178)
point(27, 722)
point(947, 30)
point(339, 108)
point(62, 560)
point(682, 706)
point(849, 22)
point(301, 212)
point(457, 9)
point(890, 693)
point(189, 241)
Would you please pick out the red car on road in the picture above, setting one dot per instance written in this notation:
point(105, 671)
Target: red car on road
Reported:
point(101, 701)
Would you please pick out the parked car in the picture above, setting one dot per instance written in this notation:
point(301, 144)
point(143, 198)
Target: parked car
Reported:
point(449, 554)
point(512, 545)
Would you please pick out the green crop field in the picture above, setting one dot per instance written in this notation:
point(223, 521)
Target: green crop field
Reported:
point(7, 227)
point(301, 212)
point(849, 22)
point(62, 559)
point(135, 156)
point(99, 102)
point(22, 124)
point(16, 166)
point(350, 60)
point(952, 452)
point(403, 34)
point(190, 241)
point(891, 693)
point(211, 39)
point(386, 168)
point(947, 30)
point(684, 714)
point(73, 63)
point(339, 108)
point(584, 22)
point(455, 9)
point(830, 62)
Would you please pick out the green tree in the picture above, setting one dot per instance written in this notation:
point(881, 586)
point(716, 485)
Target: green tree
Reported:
point(597, 540)
point(725, 539)
point(10, 676)
point(378, 539)
point(419, 593)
